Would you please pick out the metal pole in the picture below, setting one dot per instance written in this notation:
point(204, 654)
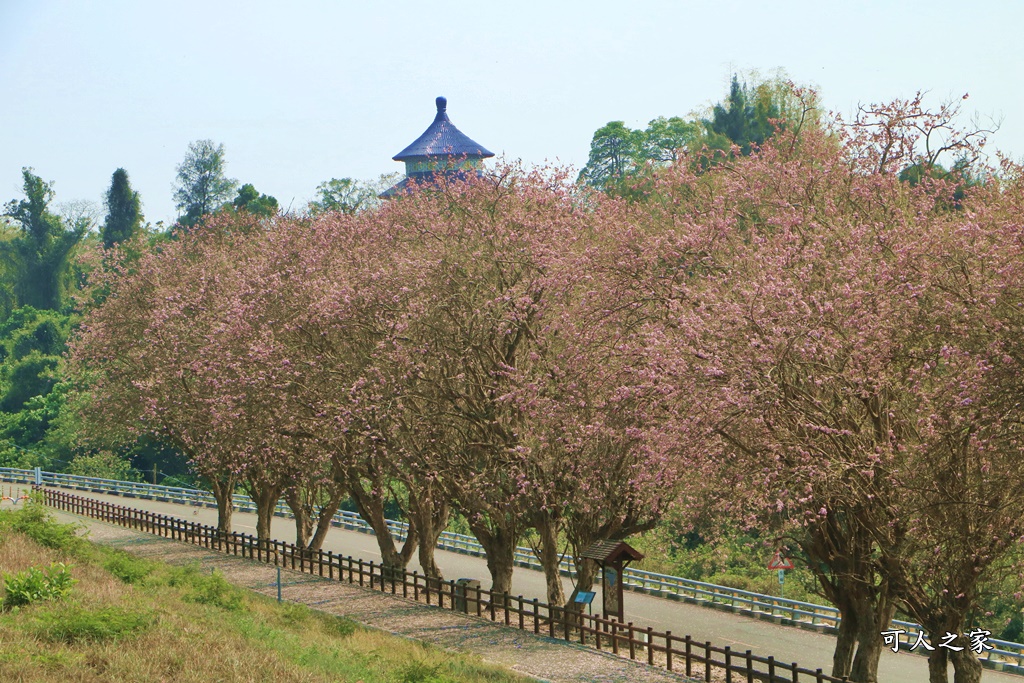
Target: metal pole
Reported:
point(279, 584)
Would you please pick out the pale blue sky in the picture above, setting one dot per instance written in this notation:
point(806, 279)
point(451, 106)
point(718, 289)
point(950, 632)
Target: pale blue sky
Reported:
point(304, 91)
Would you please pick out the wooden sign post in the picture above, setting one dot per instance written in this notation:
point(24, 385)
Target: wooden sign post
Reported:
point(612, 557)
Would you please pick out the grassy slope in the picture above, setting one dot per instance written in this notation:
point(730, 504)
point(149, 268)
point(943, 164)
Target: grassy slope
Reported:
point(136, 620)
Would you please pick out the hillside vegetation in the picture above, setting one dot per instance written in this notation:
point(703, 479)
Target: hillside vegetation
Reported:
point(130, 619)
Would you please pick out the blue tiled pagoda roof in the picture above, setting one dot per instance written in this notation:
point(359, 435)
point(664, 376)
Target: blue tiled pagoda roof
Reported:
point(442, 138)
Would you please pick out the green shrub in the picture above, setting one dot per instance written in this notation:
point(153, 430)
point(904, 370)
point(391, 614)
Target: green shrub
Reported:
point(37, 523)
point(74, 623)
point(127, 568)
point(336, 626)
point(294, 613)
point(421, 672)
point(34, 585)
point(103, 465)
point(206, 589)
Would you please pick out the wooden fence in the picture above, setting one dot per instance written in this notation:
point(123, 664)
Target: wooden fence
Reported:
point(684, 654)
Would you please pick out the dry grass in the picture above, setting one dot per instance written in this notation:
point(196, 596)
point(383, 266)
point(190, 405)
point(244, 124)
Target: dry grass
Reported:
point(192, 640)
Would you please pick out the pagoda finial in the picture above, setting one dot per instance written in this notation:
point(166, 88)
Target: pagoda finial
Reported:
point(442, 104)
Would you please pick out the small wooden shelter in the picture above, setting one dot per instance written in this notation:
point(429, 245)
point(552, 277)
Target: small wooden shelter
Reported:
point(612, 557)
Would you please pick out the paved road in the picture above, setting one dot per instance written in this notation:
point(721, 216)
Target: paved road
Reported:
point(811, 650)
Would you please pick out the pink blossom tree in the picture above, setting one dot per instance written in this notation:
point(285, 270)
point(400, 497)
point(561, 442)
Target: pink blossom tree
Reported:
point(136, 356)
point(487, 255)
point(801, 321)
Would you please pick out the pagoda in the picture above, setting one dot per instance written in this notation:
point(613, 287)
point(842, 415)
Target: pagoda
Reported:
point(442, 150)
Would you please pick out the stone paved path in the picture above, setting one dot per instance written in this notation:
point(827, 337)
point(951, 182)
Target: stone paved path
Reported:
point(537, 656)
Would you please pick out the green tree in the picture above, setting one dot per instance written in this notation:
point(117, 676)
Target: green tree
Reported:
point(744, 119)
point(31, 343)
point(666, 137)
point(201, 185)
point(614, 153)
point(345, 195)
point(40, 254)
point(249, 199)
point(124, 210)
point(621, 158)
point(104, 465)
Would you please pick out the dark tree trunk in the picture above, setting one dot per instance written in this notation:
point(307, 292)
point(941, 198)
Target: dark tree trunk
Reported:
point(966, 666)
point(265, 495)
point(550, 557)
point(872, 619)
point(586, 574)
point(938, 666)
point(266, 501)
point(840, 550)
point(371, 508)
point(846, 643)
point(324, 519)
point(499, 544)
point(223, 490)
point(430, 513)
point(302, 514)
point(312, 523)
